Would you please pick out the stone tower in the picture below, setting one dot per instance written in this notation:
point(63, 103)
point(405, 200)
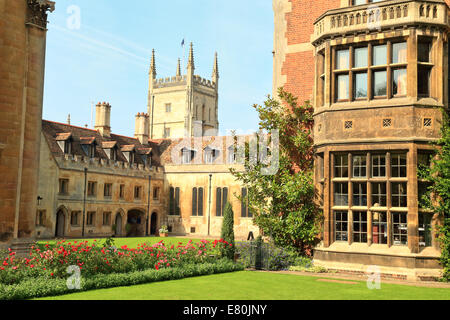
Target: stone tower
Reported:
point(22, 60)
point(183, 105)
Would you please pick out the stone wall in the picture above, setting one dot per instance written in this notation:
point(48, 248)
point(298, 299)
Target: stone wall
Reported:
point(22, 60)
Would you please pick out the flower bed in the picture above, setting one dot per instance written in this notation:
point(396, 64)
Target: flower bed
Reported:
point(52, 261)
point(41, 287)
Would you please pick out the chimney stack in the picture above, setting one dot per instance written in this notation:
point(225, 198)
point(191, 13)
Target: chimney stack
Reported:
point(142, 127)
point(102, 119)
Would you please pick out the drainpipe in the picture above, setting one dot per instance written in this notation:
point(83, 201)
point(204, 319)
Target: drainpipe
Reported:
point(84, 201)
point(209, 206)
point(148, 204)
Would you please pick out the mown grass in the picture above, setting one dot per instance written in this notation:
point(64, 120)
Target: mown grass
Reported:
point(130, 242)
point(249, 285)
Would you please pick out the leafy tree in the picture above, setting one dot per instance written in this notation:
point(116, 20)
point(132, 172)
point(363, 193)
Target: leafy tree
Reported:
point(283, 203)
point(227, 233)
point(439, 176)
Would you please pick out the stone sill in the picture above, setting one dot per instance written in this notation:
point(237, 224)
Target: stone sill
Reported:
point(378, 249)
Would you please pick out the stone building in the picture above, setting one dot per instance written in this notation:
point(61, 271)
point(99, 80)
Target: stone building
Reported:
point(22, 51)
point(379, 84)
point(183, 105)
point(93, 183)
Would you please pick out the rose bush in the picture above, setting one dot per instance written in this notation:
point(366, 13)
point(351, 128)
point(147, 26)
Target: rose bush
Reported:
point(52, 261)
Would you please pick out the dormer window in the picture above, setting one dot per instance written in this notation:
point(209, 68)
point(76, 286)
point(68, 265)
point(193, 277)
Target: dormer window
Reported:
point(211, 154)
point(187, 155)
point(129, 156)
point(146, 156)
point(88, 146)
point(64, 141)
point(110, 148)
point(128, 152)
point(232, 154)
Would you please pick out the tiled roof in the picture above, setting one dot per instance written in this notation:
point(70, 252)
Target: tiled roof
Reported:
point(87, 140)
point(127, 148)
point(54, 131)
point(63, 136)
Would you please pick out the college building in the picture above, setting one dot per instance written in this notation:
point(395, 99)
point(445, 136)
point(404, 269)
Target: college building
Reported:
point(174, 172)
point(376, 73)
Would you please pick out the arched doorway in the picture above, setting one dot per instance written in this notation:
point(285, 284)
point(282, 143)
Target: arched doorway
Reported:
point(135, 223)
point(118, 224)
point(153, 223)
point(60, 224)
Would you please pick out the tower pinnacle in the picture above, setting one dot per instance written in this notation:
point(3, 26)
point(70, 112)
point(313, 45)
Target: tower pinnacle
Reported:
point(152, 71)
point(179, 68)
point(215, 74)
point(191, 63)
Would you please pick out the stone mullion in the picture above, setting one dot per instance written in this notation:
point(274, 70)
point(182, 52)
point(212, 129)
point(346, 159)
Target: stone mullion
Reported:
point(350, 199)
point(350, 75)
point(412, 200)
point(328, 70)
point(412, 65)
point(388, 198)
point(389, 88)
point(327, 192)
point(333, 76)
point(369, 73)
point(369, 198)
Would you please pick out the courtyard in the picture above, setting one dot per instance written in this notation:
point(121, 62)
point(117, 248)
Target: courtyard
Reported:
point(255, 285)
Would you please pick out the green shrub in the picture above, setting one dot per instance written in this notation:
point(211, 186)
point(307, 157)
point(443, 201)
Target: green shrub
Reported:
point(227, 233)
point(40, 287)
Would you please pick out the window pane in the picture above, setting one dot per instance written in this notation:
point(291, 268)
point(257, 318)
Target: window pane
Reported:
point(379, 194)
point(342, 87)
point(361, 85)
point(423, 80)
point(399, 82)
point(379, 228)
point(379, 55)
point(341, 225)
point(359, 194)
point(424, 51)
point(342, 59)
point(361, 57)
point(359, 166)
point(399, 52)
point(379, 83)
point(425, 230)
point(341, 194)
point(399, 228)
point(358, 2)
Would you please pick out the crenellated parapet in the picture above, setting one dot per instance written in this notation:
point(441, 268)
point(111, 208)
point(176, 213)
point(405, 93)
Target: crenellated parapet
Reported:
point(106, 166)
point(380, 16)
point(37, 13)
point(204, 82)
point(169, 82)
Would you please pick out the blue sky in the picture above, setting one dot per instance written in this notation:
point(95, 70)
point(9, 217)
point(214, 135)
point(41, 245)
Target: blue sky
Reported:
point(107, 58)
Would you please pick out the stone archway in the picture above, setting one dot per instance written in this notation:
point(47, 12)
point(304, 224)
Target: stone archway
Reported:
point(118, 222)
point(135, 223)
point(154, 224)
point(60, 226)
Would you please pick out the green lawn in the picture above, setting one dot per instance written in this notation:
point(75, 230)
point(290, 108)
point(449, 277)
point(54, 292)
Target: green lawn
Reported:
point(250, 285)
point(133, 242)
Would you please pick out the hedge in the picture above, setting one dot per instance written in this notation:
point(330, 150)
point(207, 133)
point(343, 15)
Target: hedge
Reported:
point(39, 287)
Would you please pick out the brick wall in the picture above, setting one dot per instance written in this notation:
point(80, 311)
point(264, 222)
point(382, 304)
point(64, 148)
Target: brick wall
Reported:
point(298, 66)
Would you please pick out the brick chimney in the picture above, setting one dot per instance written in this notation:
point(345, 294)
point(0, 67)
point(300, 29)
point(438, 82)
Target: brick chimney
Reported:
point(102, 119)
point(142, 127)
